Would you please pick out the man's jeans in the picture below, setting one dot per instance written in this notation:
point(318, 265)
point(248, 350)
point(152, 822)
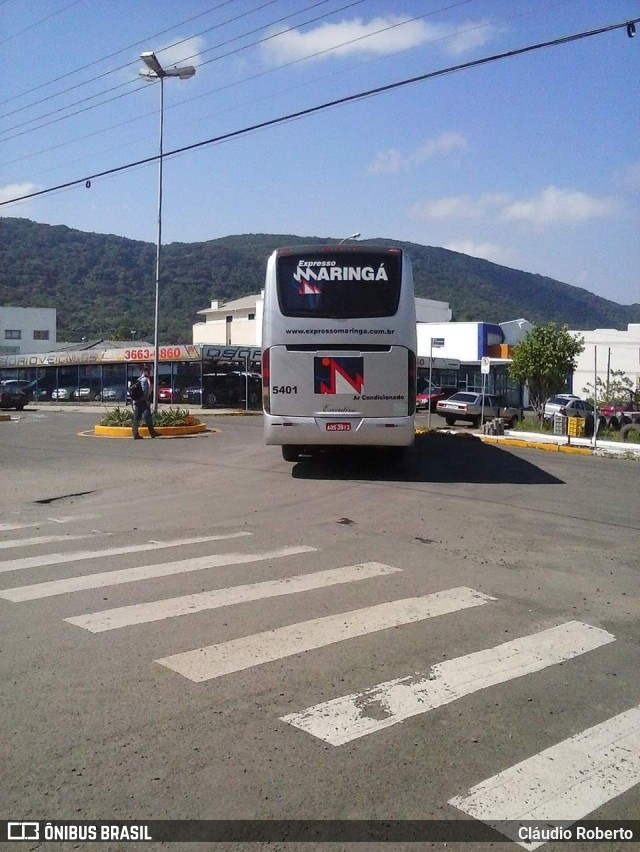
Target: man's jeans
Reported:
point(141, 409)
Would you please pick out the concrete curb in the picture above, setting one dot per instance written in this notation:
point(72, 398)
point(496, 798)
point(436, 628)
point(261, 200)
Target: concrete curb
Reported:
point(163, 431)
point(537, 445)
point(578, 446)
point(547, 443)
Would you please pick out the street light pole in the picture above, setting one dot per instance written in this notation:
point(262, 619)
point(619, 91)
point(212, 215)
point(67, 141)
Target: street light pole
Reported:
point(156, 314)
point(155, 71)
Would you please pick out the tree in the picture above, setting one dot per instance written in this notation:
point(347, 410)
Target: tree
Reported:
point(544, 360)
point(616, 390)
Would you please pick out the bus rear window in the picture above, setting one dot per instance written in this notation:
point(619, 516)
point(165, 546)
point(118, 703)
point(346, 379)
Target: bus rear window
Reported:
point(339, 286)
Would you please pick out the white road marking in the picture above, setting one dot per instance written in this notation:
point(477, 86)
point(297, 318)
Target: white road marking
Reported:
point(59, 558)
point(564, 783)
point(113, 619)
point(217, 660)
point(343, 719)
point(41, 539)
point(6, 527)
point(68, 518)
point(142, 572)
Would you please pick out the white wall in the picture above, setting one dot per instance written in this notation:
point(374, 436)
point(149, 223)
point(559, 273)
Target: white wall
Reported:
point(430, 310)
point(240, 331)
point(460, 340)
point(625, 355)
point(27, 321)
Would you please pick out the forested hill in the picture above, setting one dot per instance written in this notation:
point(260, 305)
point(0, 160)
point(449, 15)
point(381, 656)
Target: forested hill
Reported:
point(102, 286)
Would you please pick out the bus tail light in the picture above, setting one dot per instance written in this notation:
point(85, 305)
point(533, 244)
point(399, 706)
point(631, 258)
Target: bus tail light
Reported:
point(411, 397)
point(266, 396)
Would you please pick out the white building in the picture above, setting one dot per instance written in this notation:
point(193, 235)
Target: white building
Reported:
point(239, 322)
point(27, 330)
point(615, 350)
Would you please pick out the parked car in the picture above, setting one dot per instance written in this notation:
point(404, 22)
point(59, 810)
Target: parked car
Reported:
point(168, 394)
point(467, 406)
point(12, 397)
point(230, 388)
point(86, 393)
point(26, 386)
point(566, 404)
point(428, 396)
point(114, 393)
point(63, 394)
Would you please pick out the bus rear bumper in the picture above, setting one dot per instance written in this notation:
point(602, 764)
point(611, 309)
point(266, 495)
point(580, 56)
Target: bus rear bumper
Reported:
point(338, 431)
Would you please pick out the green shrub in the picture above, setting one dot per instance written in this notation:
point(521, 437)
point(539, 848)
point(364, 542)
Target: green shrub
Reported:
point(165, 417)
point(117, 417)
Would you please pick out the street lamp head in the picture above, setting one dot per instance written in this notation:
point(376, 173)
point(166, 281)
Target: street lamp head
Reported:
point(155, 71)
point(350, 237)
point(151, 61)
point(183, 73)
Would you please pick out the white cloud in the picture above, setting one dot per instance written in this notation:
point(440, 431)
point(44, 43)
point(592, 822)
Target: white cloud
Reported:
point(185, 53)
point(347, 38)
point(387, 163)
point(558, 205)
point(14, 190)
point(458, 206)
point(475, 35)
point(393, 161)
point(550, 206)
point(487, 251)
point(378, 37)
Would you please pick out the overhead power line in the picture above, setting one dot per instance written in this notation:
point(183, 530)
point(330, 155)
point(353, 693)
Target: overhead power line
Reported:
point(103, 59)
point(41, 21)
point(139, 85)
point(358, 96)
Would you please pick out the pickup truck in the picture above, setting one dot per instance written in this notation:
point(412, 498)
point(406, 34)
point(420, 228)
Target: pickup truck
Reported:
point(617, 416)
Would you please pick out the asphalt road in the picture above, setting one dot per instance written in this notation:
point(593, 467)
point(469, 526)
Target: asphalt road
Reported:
point(194, 629)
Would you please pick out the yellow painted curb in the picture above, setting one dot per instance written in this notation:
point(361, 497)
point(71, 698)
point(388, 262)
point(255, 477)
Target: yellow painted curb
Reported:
point(538, 445)
point(163, 431)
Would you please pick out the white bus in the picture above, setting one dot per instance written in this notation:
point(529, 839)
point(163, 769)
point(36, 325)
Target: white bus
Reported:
point(338, 348)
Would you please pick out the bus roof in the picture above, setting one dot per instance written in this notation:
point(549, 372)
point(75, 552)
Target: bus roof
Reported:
point(346, 249)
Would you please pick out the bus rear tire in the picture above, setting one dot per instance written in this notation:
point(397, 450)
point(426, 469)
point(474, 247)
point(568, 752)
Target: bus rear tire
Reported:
point(290, 453)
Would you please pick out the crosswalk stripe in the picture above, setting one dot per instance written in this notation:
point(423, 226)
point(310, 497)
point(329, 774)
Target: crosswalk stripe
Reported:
point(63, 558)
point(142, 572)
point(561, 784)
point(41, 539)
point(125, 616)
point(343, 719)
point(217, 660)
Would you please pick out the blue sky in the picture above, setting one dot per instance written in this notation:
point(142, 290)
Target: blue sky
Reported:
point(531, 161)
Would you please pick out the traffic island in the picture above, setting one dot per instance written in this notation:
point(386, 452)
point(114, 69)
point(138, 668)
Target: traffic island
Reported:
point(168, 423)
point(162, 431)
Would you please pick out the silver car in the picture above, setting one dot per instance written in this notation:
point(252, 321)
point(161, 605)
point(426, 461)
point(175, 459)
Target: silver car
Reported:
point(467, 406)
point(566, 404)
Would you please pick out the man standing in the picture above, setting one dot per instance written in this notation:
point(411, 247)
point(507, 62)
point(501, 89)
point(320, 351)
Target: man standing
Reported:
point(141, 393)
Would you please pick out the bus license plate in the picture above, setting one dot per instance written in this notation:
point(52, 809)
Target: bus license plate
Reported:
point(338, 427)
